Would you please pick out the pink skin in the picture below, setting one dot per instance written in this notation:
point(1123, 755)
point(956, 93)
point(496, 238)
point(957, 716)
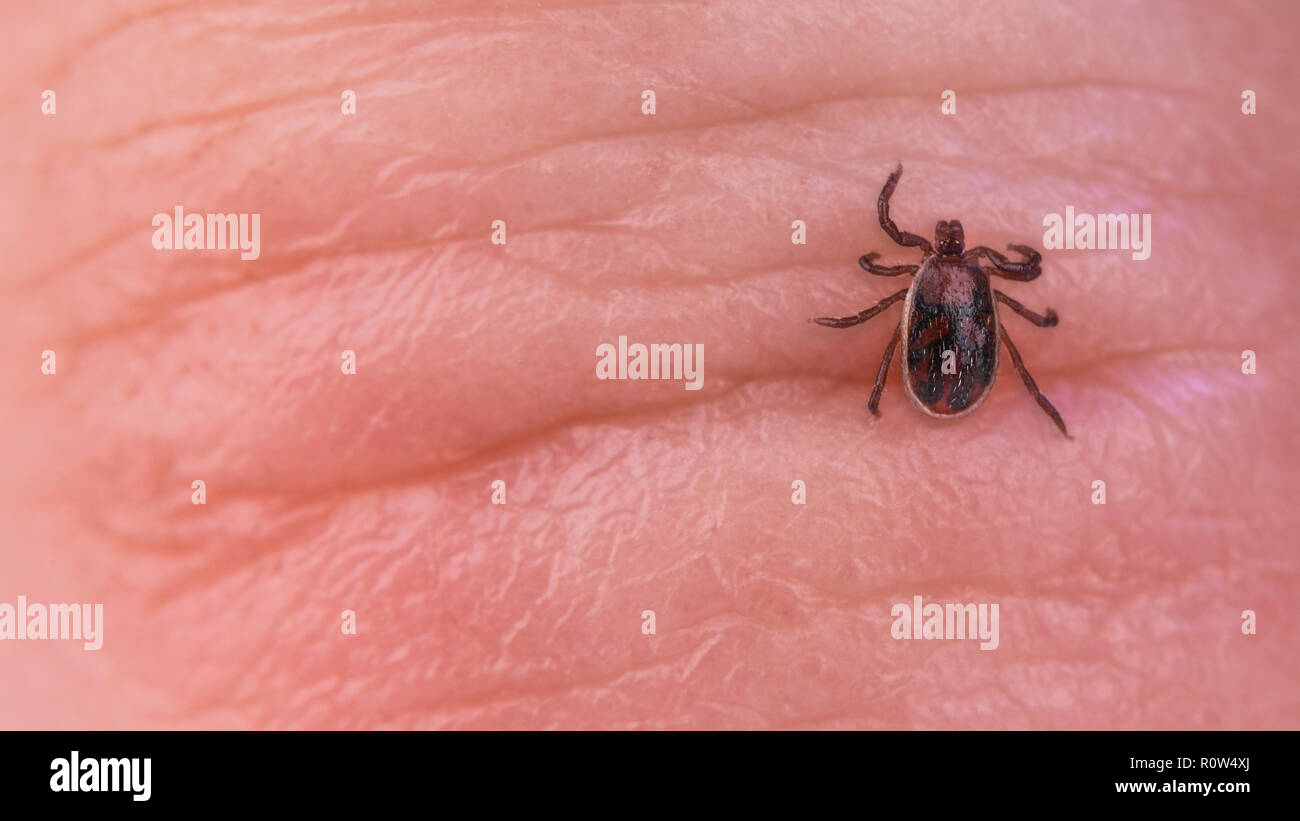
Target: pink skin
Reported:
point(476, 362)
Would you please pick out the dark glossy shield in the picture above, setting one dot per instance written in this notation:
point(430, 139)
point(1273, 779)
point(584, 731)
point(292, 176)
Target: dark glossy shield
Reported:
point(949, 309)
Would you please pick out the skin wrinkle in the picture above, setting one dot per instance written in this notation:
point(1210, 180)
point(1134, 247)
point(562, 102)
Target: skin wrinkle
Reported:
point(239, 284)
point(533, 619)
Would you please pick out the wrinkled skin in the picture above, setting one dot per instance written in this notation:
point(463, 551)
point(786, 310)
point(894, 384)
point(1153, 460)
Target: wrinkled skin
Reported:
point(476, 363)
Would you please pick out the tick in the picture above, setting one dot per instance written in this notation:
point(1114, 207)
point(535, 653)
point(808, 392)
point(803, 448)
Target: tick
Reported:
point(949, 318)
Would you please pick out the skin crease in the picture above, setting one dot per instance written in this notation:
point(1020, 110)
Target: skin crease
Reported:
point(476, 363)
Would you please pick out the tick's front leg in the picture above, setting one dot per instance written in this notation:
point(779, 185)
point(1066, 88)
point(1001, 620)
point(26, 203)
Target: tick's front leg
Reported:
point(858, 319)
point(882, 211)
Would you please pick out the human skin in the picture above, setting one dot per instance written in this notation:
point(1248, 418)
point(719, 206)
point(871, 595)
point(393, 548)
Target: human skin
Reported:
point(371, 492)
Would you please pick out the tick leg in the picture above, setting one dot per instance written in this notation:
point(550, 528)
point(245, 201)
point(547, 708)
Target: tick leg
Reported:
point(882, 209)
point(873, 404)
point(1003, 267)
point(1031, 384)
point(858, 319)
point(1041, 321)
point(869, 265)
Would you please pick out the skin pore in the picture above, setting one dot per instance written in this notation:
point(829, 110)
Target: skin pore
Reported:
point(371, 492)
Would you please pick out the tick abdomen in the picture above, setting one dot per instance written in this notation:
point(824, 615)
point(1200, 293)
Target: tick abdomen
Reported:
point(950, 334)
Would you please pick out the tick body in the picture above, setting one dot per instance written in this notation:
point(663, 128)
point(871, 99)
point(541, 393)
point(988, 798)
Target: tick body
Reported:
point(950, 328)
point(950, 334)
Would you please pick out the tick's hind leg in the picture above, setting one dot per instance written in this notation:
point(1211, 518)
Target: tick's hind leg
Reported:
point(1031, 384)
point(859, 318)
point(873, 404)
point(1048, 321)
point(868, 263)
point(1003, 267)
point(882, 210)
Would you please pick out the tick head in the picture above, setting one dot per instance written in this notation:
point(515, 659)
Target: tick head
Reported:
point(949, 239)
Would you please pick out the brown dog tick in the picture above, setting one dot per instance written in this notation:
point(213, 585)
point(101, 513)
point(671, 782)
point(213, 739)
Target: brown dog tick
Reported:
point(949, 319)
